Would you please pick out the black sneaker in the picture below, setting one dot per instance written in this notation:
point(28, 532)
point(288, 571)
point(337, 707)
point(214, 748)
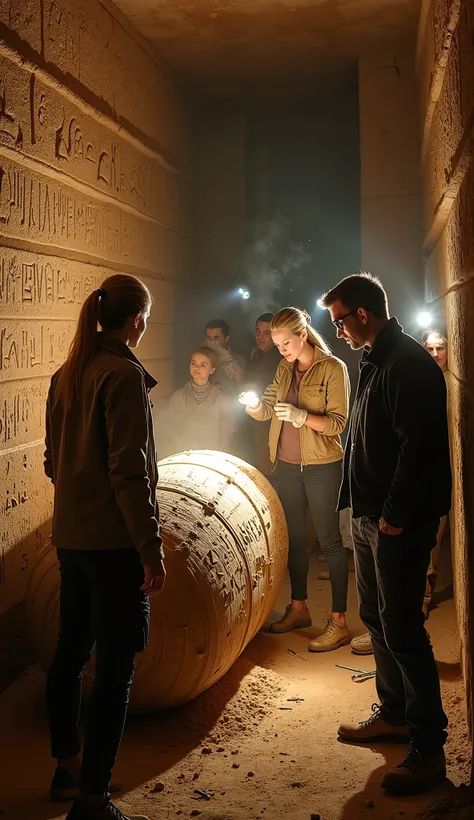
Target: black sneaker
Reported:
point(65, 786)
point(419, 772)
point(109, 811)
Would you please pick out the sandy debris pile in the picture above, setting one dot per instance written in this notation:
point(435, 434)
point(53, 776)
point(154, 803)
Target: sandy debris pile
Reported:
point(235, 705)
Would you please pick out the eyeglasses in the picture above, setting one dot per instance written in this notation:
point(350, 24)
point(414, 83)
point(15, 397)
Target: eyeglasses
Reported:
point(338, 323)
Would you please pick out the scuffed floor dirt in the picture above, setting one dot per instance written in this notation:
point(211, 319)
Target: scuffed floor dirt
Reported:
point(256, 753)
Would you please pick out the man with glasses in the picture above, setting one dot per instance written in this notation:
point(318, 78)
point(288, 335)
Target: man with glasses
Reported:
point(397, 481)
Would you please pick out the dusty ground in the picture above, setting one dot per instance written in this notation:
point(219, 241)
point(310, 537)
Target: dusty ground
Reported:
point(255, 759)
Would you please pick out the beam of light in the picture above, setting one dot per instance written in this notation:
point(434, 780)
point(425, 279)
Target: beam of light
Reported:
point(424, 318)
point(319, 303)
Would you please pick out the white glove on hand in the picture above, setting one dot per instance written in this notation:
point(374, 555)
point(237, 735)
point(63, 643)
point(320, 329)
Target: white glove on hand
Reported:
point(287, 412)
point(250, 399)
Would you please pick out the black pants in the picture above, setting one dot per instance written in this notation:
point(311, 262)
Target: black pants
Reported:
point(391, 579)
point(101, 603)
point(316, 485)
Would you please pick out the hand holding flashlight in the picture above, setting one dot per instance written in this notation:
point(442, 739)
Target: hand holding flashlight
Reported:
point(250, 399)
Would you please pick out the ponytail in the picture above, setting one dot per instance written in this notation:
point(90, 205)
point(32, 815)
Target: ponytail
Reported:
point(109, 307)
point(297, 320)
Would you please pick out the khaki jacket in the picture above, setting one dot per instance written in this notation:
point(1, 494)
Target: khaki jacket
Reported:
point(324, 391)
point(100, 456)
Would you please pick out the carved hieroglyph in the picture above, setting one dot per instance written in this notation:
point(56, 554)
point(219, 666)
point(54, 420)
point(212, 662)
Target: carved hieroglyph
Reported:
point(226, 546)
point(90, 156)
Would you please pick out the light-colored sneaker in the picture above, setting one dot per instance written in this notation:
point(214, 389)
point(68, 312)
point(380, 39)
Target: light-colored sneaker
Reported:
point(292, 619)
point(332, 637)
point(362, 645)
point(373, 729)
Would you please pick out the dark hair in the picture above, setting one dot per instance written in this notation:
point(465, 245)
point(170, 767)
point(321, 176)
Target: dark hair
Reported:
point(434, 332)
point(359, 290)
point(213, 324)
point(265, 317)
point(119, 297)
point(207, 351)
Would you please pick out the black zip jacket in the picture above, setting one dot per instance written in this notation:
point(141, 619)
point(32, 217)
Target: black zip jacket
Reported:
point(396, 461)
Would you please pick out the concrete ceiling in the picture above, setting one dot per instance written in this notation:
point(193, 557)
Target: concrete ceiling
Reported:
point(238, 48)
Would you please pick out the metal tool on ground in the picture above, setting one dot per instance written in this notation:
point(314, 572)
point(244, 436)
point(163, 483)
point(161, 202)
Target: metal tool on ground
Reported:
point(202, 795)
point(351, 668)
point(292, 652)
point(361, 676)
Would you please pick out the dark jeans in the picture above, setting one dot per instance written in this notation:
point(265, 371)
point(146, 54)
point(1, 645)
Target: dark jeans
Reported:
point(316, 485)
point(391, 579)
point(101, 603)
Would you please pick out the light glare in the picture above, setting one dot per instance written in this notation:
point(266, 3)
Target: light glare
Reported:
point(424, 318)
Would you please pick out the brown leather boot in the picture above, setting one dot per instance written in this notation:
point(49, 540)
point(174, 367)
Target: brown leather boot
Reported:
point(332, 637)
point(373, 729)
point(292, 619)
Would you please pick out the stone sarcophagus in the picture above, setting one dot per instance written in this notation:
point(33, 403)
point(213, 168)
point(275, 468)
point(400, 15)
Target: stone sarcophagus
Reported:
point(226, 546)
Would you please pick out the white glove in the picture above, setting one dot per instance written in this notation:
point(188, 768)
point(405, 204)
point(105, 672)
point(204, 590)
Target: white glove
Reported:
point(250, 399)
point(287, 412)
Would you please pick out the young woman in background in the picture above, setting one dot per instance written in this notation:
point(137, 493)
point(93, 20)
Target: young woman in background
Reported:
point(200, 413)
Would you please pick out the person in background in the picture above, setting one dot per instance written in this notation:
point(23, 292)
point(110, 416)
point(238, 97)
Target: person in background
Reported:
point(397, 481)
point(264, 360)
point(200, 416)
point(230, 366)
point(436, 344)
point(100, 456)
point(308, 404)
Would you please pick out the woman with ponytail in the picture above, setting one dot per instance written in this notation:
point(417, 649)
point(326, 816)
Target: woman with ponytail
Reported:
point(100, 456)
point(308, 404)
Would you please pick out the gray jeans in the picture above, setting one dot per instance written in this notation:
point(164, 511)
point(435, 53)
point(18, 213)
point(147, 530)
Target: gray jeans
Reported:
point(316, 485)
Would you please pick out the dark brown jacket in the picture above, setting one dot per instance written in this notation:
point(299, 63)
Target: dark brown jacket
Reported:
point(100, 456)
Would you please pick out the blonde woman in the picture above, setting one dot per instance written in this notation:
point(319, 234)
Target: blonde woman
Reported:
point(308, 403)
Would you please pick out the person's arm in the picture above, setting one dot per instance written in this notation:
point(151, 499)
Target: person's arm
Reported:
point(417, 400)
point(265, 407)
point(48, 458)
point(232, 369)
point(125, 404)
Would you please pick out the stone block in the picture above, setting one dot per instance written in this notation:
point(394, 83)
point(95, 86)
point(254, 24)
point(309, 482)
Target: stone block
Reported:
point(38, 209)
point(23, 19)
point(453, 116)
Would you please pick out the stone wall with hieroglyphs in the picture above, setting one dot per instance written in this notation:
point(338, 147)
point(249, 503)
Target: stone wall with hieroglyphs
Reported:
point(446, 74)
point(91, 146)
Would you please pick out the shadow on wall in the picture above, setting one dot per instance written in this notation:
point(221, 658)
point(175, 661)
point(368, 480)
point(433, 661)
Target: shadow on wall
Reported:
point(15, 648)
